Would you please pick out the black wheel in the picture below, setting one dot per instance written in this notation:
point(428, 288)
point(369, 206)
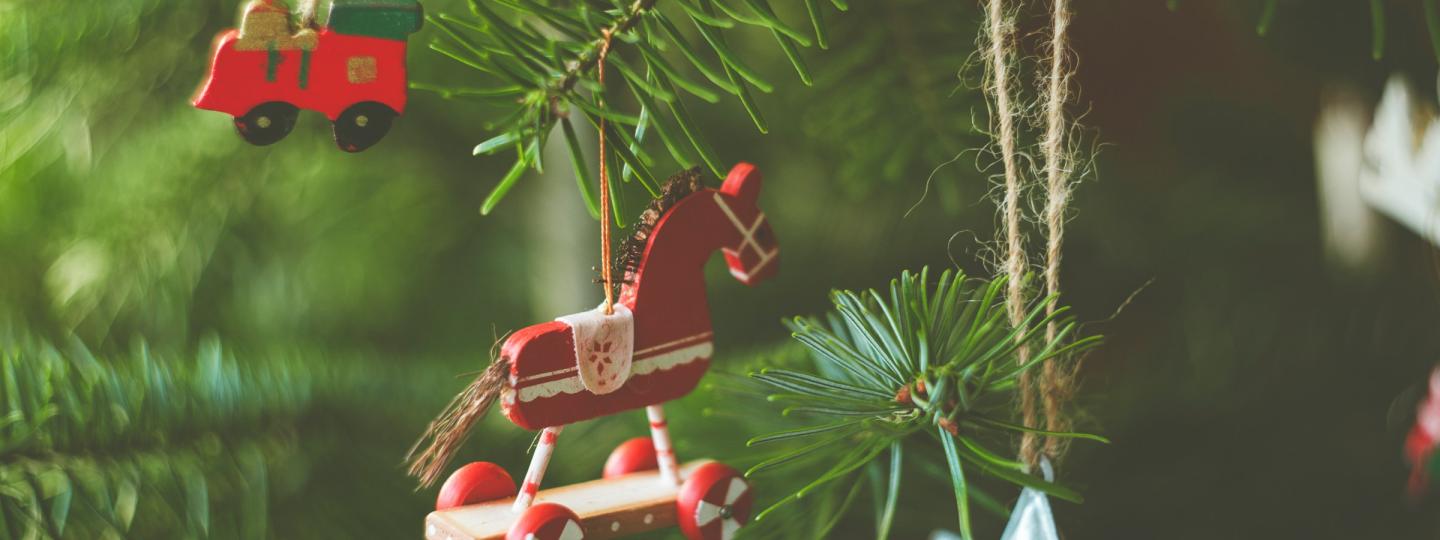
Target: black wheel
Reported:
point(363, 125)
point(267, 123)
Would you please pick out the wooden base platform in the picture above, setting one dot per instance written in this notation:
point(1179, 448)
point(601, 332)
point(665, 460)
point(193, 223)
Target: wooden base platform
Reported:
point(623, 506)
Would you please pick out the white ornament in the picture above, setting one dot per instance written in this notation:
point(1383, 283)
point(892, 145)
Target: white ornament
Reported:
point(1374, 167)
point(1401, 173)
point(1031, 519)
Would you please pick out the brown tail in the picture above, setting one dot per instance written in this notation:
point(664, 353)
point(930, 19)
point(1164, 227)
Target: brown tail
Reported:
point(448, 432)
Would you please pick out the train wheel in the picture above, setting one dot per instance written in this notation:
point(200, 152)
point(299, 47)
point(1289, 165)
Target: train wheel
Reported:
point(547, 521)
point(636, 454)
point(714, 503)
point(362, 125)
point(473, 484)
point(267, 123)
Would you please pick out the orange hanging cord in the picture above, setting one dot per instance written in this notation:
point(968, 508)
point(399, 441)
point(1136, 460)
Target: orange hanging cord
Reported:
point(605, 219)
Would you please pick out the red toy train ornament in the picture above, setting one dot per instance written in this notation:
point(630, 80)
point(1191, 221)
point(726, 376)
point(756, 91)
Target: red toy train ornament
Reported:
point(653, 349)
point(352, 70)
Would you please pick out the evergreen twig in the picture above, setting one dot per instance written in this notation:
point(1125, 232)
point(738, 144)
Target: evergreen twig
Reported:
point(140, 446)
point(897, 367)
point(542, 57)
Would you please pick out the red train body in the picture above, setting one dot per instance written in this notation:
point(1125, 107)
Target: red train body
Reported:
point(352, 71)
point(321, 83)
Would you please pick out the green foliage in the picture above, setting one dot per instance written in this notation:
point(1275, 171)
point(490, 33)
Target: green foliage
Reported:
point(1432, 23)
point(1377, 29)
point(1267, 16)
point(902, 367)
point(141, 446)
point(885, 81)
point(60, 227)
point(1430, 14)
point(125, 212)
point(539, 60)
point(210, 444)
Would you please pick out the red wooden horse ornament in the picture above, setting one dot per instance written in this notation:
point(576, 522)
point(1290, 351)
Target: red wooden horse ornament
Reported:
point(653, 349)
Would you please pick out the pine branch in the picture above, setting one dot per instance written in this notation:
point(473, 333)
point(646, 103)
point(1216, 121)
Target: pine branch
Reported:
point(591, 57)
point(146, 445)
point(140, 446)
point(902, 366)
point(544, 59)
point(898, 88)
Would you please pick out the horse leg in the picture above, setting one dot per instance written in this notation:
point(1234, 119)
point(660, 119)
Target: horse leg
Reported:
point(536, 472)
point(664, 455)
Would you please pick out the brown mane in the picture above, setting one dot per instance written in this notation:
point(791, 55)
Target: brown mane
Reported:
point(682, 185)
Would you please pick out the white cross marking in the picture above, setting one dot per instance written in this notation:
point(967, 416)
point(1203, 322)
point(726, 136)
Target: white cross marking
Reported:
point(748, 235)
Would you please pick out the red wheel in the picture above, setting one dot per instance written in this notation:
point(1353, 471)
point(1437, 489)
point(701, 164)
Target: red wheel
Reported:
point(636, 454)
point(473, 484)
point(714, 503)
point(547, 521)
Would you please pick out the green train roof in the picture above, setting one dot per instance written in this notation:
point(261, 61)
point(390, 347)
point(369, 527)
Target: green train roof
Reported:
point(387, 19)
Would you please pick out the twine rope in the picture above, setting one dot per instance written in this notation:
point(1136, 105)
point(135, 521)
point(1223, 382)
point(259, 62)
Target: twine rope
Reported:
point(1000, 51)
point(605, 270)
point(1057, 382)
point(1049, 394)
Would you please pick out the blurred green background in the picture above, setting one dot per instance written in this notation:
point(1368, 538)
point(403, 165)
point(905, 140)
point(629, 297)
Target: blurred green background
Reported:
point(203, 338)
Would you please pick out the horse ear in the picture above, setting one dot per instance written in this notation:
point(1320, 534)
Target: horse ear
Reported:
point(743, 182)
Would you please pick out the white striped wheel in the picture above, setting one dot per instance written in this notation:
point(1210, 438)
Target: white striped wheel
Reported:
point(547, 521)
point(714, 503)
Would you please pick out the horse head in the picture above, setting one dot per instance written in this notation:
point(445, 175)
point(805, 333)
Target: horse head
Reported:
point(750, 247)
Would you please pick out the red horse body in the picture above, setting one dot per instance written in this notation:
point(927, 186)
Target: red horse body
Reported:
point(666, 294)
point(669, 323)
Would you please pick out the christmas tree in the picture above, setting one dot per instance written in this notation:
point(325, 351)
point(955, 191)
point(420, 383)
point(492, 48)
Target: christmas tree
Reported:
point(203, 338)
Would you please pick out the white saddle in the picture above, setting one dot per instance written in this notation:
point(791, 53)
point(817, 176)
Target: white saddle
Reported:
point(604, 347)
